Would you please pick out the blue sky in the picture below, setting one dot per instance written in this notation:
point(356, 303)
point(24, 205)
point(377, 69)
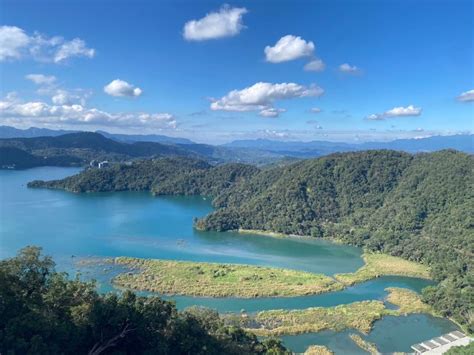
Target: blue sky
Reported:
point(385, 70)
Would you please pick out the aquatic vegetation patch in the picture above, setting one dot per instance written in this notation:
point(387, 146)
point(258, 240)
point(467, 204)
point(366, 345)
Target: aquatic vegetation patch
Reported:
point(357, 315)
point(219, 280)
point(377, 264)
point(408, 301)
point(318, 350)
point(364, 344)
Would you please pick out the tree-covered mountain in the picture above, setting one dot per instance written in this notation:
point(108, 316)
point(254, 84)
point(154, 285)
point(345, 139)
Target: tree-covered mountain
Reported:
point(420, 207)
point(15, 158)
point(12, 132)
point(165, 176)
point(156, 138)
point(44, 312)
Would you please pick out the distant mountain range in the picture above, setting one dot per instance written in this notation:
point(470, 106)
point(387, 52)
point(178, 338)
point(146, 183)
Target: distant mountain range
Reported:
point(79, 148)
point(39, 146)
point(12, 132)
point(461, 142)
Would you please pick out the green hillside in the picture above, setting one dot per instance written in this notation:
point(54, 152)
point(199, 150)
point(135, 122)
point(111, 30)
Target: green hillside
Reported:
point(419, 207)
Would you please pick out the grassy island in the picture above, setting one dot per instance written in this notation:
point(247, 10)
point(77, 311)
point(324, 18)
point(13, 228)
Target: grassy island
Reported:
point(318, 350)
point(377, 265)
point(408, 301)
point(249, 281)
point(220, 280)
point(364, 344)
point(357, 315)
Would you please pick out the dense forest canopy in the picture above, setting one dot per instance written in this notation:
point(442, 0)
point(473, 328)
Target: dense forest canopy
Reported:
point(420, 207)
point(45, 312)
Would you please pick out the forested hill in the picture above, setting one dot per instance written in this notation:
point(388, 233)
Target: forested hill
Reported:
point(164, 176)
point(420, 207)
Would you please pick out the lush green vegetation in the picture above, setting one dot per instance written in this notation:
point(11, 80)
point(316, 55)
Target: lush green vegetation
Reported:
point(246, 281)
point(377, 264)
point(418, 207)
point(462, 350)
point(164, 176)
point(219, 280)
point(44, 312)
point(15, 158)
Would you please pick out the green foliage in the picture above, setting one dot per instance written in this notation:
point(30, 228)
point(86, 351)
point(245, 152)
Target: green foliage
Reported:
point(418, 207)
point(44, 312)
point(462, 350)
point(164, 176)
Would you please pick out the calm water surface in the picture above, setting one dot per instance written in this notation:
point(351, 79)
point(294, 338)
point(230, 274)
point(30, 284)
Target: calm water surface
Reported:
point(72, 226)
point(390, 334)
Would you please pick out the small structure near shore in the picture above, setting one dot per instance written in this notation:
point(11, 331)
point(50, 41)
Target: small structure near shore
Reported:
point(441, 344)
point(103, 164)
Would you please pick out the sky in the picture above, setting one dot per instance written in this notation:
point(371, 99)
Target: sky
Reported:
point(212, 71)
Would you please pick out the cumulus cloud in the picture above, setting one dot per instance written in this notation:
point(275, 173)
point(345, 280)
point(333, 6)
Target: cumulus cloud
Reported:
point(288, 48)
point(16, 44)
point(12, 42)
point(48, 87)
point(315, 65)
point(261, 97)
point(119, 87)
point(15, 111)
point(396, 112)
point(40, 79)
point(349, 69)
point(271, 112)
point(227, 22)
point(467, 96)
point(315, 110)
point(75, 48)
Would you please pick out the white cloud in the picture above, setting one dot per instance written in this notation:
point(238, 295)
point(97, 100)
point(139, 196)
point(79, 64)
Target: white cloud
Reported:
point(12, 42)
point(16, 44)
point(75, 48)
point(271, 112)
point(287, 48)
point(466, 96)
point(261, 96)
point(40, 79)
point(119, 87)
point(347, 68)
point(226, 22)
point(48, 87)
point(315, 65)
point(396, 112)
point(15, 111)
point(315, 110)
point(68, 97)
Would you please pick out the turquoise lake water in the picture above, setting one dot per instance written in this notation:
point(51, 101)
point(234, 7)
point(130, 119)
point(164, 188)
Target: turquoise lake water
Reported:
point(72, 226)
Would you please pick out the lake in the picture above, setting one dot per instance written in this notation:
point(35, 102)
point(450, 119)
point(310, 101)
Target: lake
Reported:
point(72, 226)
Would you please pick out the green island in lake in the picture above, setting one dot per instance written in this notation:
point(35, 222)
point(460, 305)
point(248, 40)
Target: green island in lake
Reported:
point(246, 281)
